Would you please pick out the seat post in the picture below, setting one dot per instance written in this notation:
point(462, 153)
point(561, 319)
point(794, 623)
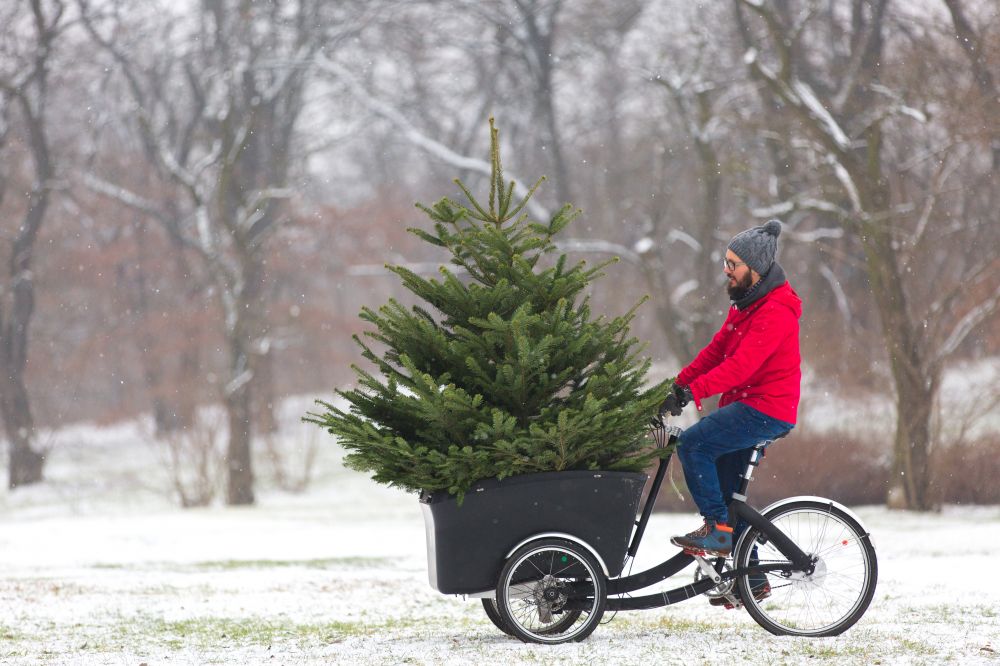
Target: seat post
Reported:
point(755, 456)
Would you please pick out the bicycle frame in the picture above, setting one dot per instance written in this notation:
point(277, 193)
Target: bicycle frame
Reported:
point(738, 509)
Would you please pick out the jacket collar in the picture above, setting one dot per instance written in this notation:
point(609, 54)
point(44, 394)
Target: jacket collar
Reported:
point(774, 278)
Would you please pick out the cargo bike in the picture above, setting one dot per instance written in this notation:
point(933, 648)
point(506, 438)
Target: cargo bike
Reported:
point(545, 554)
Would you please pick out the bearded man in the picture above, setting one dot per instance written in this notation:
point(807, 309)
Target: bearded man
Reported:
point(754, 362)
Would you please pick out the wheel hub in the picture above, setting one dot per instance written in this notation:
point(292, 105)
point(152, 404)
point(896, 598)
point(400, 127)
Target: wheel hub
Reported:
point(815, 577)
point(548, 596)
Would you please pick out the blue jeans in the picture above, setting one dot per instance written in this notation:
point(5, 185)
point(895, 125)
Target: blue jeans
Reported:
point(715, 452)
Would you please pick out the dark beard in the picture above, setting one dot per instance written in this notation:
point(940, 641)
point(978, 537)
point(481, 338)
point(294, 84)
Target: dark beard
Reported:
point(740, 289)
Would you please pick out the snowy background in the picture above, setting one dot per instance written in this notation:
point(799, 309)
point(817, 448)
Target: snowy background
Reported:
point(101, 567)
point(196, 199)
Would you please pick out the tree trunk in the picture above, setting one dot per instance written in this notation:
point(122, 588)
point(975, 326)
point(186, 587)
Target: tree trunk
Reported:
point(243, 336)
point(914, 378)
point(239, 462)
point(25, 463)
point(264, 399)
point(239, 403)
point(910, 483)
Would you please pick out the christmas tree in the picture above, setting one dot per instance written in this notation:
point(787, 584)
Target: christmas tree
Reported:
point(506, 371)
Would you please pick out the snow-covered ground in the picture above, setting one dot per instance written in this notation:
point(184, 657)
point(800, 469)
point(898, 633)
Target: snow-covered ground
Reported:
point(99, 566)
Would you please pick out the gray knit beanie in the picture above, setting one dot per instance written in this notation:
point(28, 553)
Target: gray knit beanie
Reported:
point(756, 247)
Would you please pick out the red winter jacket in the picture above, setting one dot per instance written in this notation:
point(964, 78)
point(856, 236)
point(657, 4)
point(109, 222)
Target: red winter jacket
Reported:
point(754, 358)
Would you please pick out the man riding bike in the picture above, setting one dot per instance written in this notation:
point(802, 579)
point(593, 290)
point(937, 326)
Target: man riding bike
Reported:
point(753, 361)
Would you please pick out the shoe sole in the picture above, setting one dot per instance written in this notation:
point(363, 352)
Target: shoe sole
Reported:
point(730, 606)
point(700, 552)
point(704, 553)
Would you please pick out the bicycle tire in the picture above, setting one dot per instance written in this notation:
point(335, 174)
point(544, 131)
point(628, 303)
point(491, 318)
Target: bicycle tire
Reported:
point(550, 566)
point(490, 606)
point(805, 605)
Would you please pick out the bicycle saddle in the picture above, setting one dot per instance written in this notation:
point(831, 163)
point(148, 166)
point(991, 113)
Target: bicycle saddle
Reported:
point(764, 443)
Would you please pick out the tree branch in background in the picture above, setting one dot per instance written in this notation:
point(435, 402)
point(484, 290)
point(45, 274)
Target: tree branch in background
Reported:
point(418, 138)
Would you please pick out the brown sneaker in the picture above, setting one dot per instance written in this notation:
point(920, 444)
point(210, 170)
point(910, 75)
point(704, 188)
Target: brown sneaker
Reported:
point(710, 539)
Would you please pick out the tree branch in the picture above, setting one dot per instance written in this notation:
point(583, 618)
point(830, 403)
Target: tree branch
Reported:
point(964, 326)
point(416, 137)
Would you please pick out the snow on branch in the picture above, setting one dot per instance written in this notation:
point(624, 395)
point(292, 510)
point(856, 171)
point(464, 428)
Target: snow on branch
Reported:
point(599, 246)
point(418, 138)
point(814, 235)
point(838, 292)
point(122, 195)
point(804, 204)
point(898, 105)
point(968, 323)
point(430, 267)
point(808, 99)
point(238, 382)
point(682, 290)
point(676, 235)
point(844, 176)
point(799, 95)
point(776, 210)
point(254, 209)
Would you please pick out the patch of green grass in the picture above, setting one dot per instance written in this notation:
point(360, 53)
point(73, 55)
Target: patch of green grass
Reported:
point(824, 649)
point(325, 563)
point(913, 647)
point(234, 565)
point(10, 634)
point(680, 625)
point(940, 613)
point(201, 633)
point(208, 632)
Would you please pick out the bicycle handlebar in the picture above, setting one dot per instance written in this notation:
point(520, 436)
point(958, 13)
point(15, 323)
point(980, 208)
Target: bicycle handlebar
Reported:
point(663, 434)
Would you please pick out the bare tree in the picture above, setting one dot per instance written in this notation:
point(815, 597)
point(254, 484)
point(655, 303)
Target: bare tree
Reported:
point(24, 85)
point(844, 114)
point(217, 116)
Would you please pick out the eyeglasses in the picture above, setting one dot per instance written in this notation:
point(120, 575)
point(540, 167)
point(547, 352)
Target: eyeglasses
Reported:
point(731, 265)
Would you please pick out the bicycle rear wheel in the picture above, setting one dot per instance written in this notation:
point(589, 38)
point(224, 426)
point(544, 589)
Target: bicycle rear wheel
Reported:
point(490, 606)
point(829, 600)
point(540, 585)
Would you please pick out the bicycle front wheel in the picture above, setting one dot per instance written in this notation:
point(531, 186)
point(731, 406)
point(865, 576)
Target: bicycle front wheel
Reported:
point(825, 602)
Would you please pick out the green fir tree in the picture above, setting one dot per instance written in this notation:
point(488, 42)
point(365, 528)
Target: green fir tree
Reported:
point(506, 371)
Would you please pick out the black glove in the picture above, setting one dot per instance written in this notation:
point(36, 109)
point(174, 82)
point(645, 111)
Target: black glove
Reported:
point(676, 400)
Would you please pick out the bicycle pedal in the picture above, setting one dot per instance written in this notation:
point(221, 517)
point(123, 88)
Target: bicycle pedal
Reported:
point(704, 553)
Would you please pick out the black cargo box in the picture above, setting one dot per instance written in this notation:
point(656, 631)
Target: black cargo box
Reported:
point(468, 544)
